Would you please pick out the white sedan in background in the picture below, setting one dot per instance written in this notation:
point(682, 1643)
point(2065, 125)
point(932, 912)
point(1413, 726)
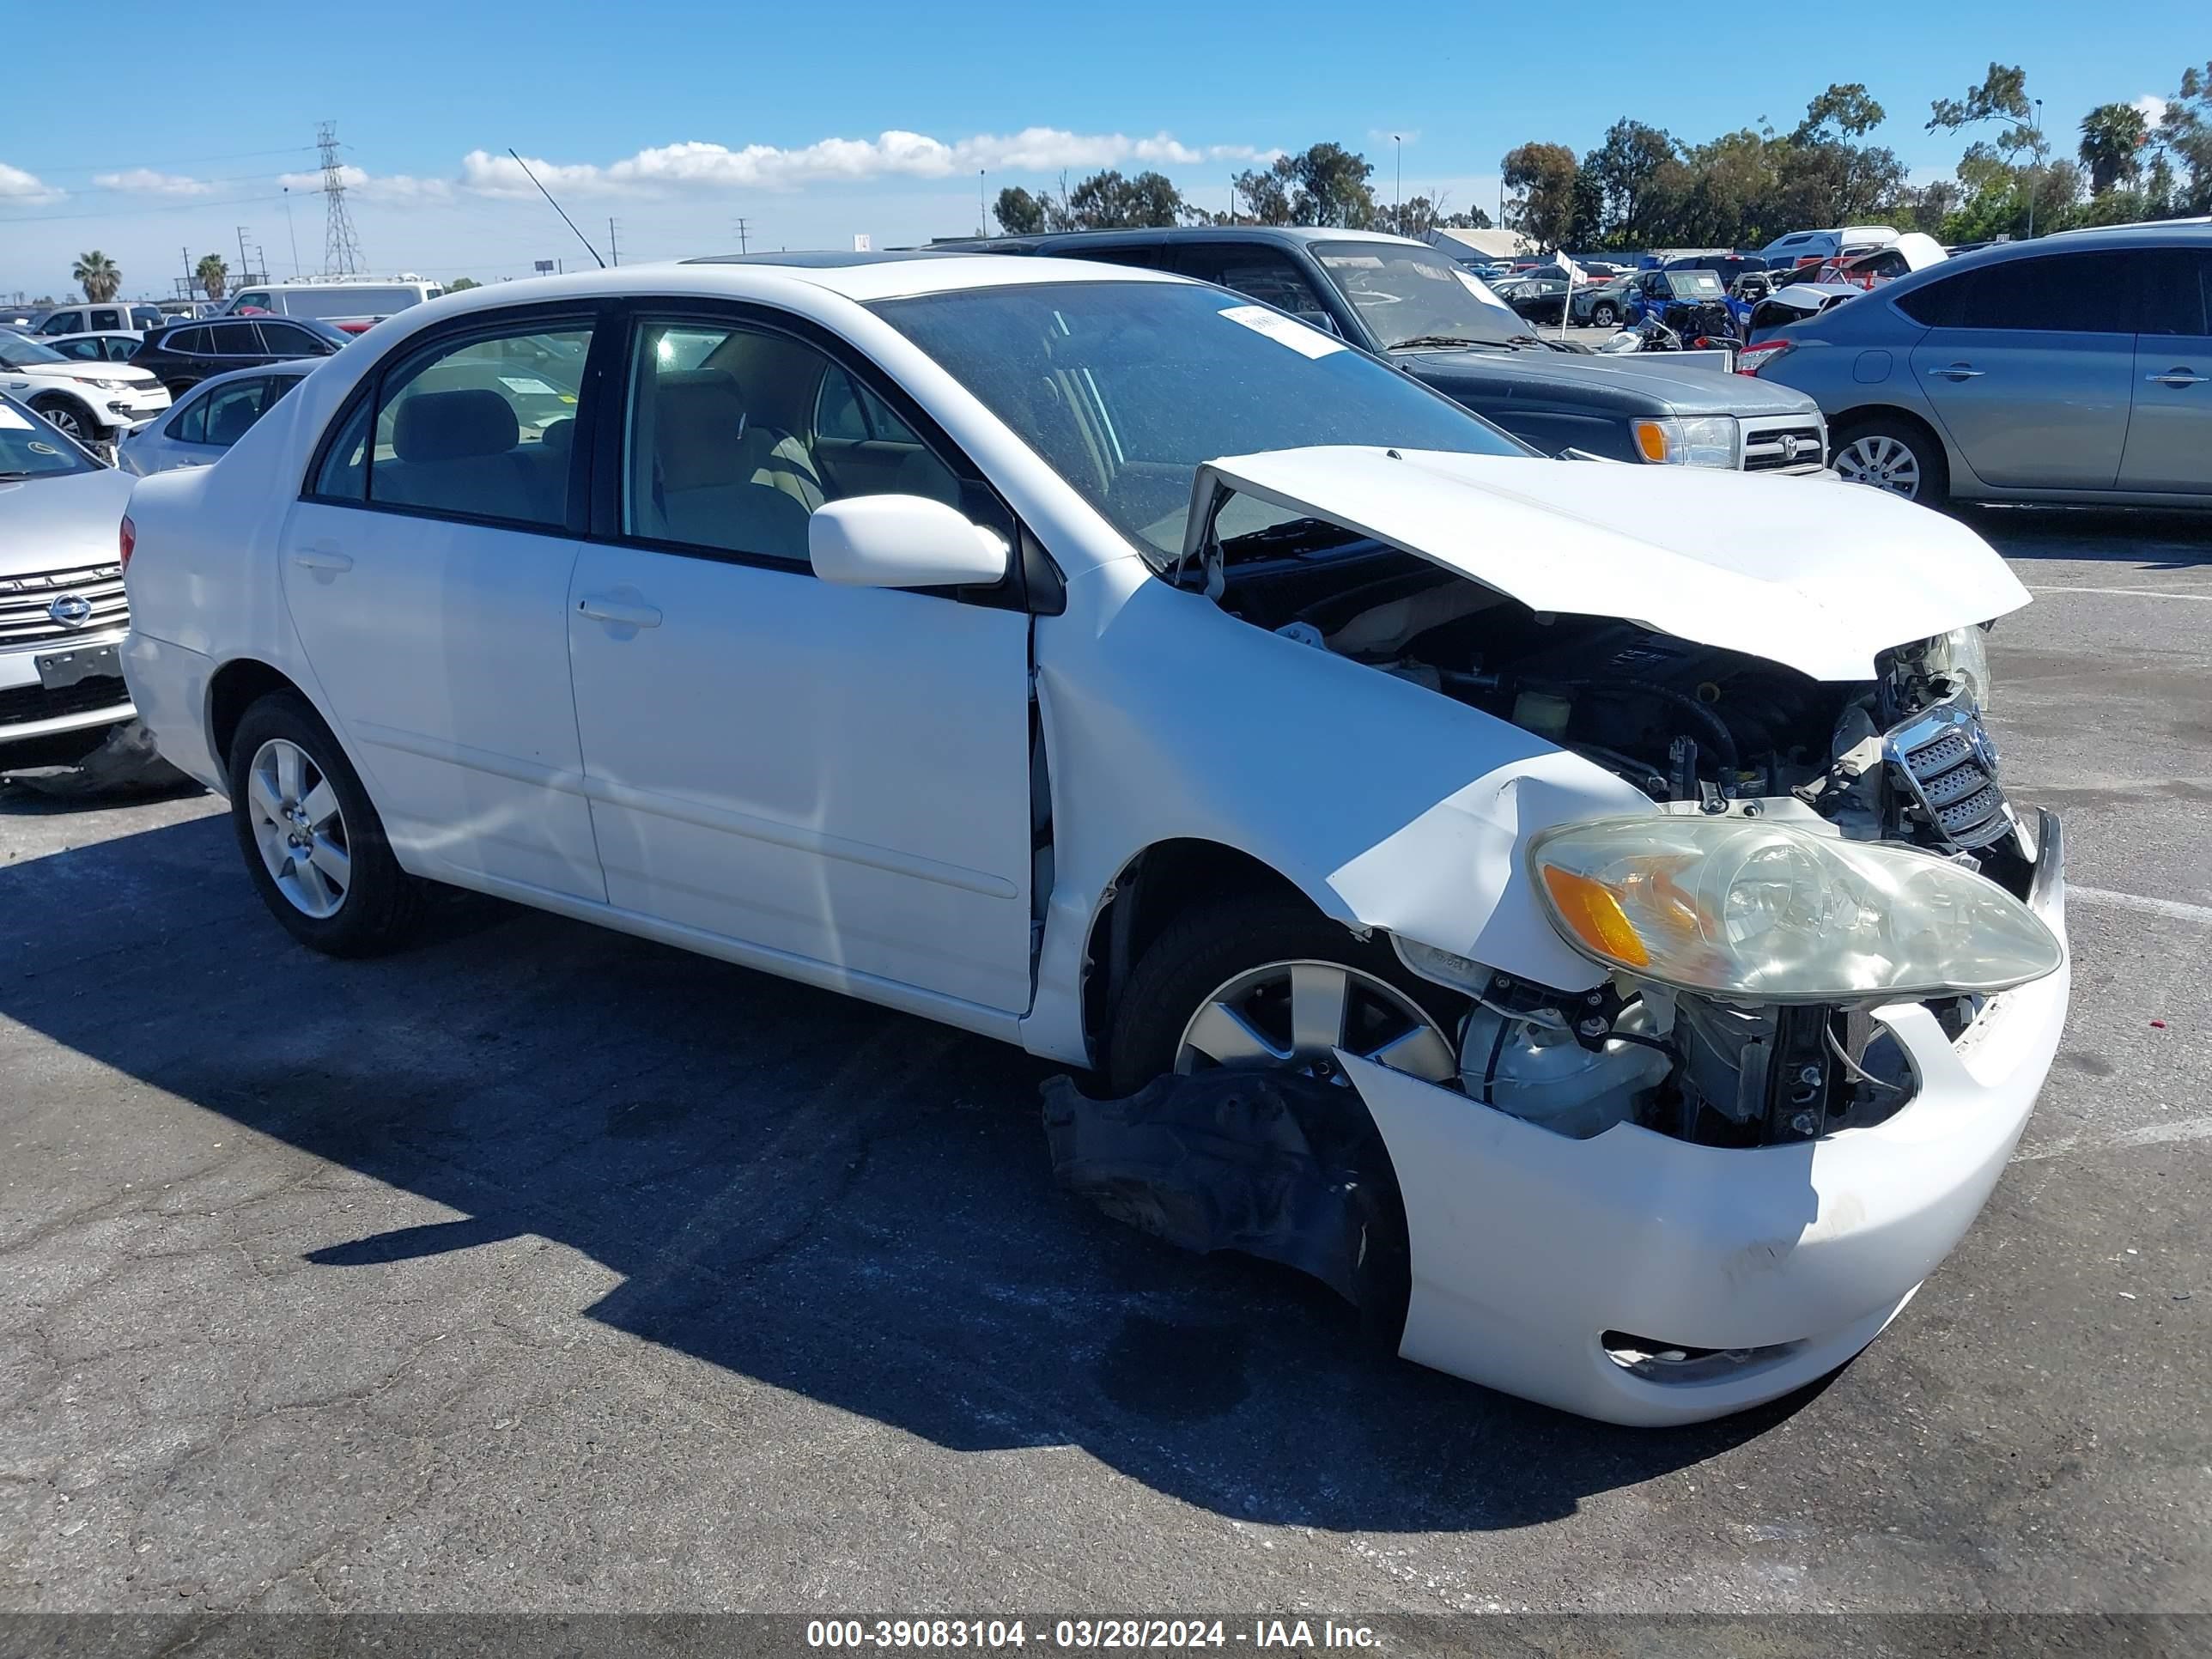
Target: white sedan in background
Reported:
point(211, 416)
point(1624, 915)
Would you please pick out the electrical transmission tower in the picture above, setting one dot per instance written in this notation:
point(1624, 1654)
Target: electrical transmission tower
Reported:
point(340, 247)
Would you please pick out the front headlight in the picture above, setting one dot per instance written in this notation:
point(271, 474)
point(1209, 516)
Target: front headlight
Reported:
point(1708, 440)
point(104, 386)
point(1759, 911)
point(1962, 656)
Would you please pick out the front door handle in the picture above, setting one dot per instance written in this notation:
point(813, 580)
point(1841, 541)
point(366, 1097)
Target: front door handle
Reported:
point(1960, 372)
point(2178, 378)
point(621, 612)
point(322, 557)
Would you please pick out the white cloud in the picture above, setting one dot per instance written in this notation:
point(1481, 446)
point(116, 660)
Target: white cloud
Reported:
point(374, 187)
point(19, 186)
point(145, 181)
point(675, 168)
point(2153, 107)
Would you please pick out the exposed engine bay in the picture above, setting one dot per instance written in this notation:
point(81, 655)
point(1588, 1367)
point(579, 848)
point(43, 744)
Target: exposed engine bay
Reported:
point(1701, 730)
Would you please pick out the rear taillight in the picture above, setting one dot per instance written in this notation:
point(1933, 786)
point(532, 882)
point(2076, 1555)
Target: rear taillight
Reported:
point(1751, 359)
point(127, 541)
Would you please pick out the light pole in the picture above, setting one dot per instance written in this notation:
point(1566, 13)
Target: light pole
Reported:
point(982, 225)
point(1400, 143)
point(2036, 180)
point(289, 232)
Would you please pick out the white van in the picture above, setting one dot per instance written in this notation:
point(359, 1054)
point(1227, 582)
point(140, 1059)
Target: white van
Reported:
point(1786, 251)
point(349, 303)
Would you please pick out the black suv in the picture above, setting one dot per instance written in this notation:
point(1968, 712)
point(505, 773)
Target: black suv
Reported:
point(184, 353)
point(1429, 317)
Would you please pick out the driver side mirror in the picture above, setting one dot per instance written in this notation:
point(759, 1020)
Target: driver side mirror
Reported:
point(902, 541)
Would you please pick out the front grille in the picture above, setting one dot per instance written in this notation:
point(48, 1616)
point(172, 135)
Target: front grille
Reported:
point(1948, 765)
point(25, 602)
point(1786, 446)
point(21, 704)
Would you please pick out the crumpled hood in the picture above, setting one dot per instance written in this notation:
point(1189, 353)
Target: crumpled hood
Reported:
point(1814, 575)
point(50, 524)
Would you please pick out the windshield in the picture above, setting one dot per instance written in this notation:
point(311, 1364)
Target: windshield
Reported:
point(1125, 388)
point(16, 352)
point(1416, 293)
point(348, 301)
point(1694, 284)
point(29, 449)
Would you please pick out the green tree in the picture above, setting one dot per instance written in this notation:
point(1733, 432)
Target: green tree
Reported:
point(462, 284)
point(1541, 177)
point(98, 275)
point(2001, 97)
point(1624, 166)
point(1019, 213)
point(212, 275)
point(2113, 138)
point(1107, 201)
point(1848, 108)
point(1263, 194)
point(2185, 133)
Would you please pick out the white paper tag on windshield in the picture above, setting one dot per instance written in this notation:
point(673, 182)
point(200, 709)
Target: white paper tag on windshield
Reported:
point(527, 386)
point(11, 422)
point(1284, 331)
point(1481, 289)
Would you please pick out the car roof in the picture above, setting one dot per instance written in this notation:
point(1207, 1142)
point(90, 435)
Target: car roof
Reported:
point(824, 258)
point(1274, 235)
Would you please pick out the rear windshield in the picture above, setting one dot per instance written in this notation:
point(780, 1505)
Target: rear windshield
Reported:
point(348, 301)
point(1125, 389)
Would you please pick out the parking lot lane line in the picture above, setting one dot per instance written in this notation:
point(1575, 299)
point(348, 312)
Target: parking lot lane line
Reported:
point(2124, 593)
point(2150, 1134)
point(2173, 910)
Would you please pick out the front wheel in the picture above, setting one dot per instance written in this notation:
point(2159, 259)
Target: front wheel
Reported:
point(68, 418)
point(1893, 455)
point(1603, 315)
point(313, 843)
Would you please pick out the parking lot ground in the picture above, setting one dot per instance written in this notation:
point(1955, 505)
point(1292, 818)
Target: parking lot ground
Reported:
point(542, 1268)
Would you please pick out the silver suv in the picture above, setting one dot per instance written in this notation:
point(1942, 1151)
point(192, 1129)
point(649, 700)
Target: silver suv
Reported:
point(2075, 368)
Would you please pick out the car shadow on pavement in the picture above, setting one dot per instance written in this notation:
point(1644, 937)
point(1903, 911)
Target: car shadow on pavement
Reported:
point(843, 1202)
point(2152, 539)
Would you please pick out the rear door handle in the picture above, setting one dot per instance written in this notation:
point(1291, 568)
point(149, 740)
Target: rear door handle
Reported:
point(2178, 378)
point(1960, 372)
point(322, 557)
point(624, 615)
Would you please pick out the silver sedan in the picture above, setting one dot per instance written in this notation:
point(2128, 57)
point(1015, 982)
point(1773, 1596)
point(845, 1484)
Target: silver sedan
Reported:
point(211, 417)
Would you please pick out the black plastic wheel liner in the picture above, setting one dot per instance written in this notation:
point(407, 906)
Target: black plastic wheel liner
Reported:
point(1272, 1164)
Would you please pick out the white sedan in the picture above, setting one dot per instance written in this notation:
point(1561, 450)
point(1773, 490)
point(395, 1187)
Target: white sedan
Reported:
point(1105, 663)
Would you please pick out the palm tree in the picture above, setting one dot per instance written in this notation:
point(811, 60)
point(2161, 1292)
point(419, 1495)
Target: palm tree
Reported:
point(212, 275)
point(2112, 135)
point(99, 275)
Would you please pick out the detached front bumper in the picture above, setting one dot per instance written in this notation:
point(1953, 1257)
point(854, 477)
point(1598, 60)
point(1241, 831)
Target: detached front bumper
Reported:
point(1527, 1248)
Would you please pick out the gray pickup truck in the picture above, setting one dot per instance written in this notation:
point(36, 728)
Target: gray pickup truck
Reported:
point(1411, 305)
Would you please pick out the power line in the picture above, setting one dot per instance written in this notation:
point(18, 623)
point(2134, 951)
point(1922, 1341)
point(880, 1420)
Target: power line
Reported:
point(191, 206)
point(180, 161)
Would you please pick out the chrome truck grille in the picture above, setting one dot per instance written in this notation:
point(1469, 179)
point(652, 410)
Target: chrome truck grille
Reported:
point(1785, 443)
point(1946, 763)
point(39, 606)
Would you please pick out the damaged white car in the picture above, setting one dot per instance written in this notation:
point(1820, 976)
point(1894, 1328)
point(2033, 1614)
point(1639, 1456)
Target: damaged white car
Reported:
point(1572, 907)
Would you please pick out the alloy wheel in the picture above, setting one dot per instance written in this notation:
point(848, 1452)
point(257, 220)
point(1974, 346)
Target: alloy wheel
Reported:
point(65, 420)
point(299, 829)
point(1884, 462)
point(1292, 1015)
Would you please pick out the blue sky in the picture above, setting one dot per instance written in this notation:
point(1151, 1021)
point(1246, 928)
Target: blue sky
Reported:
point(650, 112)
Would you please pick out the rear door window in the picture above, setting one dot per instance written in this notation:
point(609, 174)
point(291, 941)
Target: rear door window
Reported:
point(2176, 288)
point(2087, 293)
point(478, 428)
point(236, 339)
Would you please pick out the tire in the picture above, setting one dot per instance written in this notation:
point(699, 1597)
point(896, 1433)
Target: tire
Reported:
point(68, 417)
point(1891, 453)
point(1603, 315)
point(348, 896)
point(1211, 947)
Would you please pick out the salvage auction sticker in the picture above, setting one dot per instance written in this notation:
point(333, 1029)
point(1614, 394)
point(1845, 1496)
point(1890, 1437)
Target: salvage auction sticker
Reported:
point(1284, 331)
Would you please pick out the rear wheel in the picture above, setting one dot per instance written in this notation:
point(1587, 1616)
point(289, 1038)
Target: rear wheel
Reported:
point(1898, 456)
point(1603, 314)
point(313, 843)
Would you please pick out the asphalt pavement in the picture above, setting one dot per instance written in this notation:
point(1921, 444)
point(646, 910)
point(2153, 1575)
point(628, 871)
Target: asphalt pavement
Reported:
point(542, 1268)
